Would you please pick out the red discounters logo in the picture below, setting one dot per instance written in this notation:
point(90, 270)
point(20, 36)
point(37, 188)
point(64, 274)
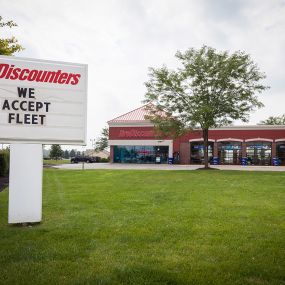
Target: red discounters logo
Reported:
point(11, 72)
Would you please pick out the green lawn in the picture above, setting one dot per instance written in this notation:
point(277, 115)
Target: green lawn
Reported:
point(56, 162)
point(150, 227)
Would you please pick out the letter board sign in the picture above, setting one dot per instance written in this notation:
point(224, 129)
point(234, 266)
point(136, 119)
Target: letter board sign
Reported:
point(42, 101)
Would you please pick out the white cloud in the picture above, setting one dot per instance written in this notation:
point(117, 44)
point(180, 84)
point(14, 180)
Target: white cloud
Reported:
point(120, 39)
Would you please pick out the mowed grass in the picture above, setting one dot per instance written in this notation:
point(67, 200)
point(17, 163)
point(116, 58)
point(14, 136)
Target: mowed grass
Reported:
point(55, 162)
point(150, 227)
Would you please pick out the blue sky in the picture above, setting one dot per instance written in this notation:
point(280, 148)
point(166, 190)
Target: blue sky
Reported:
point(120, 39)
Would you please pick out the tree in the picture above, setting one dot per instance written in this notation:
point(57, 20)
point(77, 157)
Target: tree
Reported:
point(72, 153)
point(66, 154)
point(8, 46)
point(56, 151)
point(278, 120)
point(210, 89)
point(102, 142)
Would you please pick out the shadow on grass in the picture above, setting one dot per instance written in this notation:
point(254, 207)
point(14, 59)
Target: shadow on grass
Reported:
point(137, 275)
point(25, 225)
point(209, 168)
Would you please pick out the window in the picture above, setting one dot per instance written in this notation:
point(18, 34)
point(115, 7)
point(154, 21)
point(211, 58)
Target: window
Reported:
point(140, 154)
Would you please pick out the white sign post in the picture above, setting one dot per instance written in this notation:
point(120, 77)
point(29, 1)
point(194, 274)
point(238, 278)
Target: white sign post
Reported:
point(41, 102)
point(25, 186)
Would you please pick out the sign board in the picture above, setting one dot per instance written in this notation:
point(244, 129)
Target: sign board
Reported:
point(42, 102)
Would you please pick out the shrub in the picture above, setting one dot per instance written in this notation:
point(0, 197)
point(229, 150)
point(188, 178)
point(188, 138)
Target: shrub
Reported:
point(4, 162)
point(104, 160)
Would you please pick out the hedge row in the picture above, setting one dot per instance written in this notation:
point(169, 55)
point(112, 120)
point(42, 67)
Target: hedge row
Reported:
point(4, 162)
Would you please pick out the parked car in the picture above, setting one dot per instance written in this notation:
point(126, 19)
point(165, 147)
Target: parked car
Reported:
point(87, 159)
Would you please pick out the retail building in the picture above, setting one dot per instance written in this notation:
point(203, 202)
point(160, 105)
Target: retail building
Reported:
point(132, 140)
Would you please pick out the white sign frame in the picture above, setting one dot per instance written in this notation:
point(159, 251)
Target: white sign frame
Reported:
point(51, 66)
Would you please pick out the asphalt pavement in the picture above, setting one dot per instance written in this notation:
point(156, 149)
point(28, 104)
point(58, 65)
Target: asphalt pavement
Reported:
point(165, 167)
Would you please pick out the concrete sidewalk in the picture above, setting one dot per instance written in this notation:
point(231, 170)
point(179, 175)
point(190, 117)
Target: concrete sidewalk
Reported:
point(166, 167)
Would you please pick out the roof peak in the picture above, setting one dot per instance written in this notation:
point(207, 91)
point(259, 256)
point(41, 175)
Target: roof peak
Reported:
point(137, 114)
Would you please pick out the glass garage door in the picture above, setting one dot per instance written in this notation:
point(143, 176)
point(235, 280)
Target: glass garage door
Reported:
point(230, 152)
point(280, 152)
point(197, 152)
point(258, 153)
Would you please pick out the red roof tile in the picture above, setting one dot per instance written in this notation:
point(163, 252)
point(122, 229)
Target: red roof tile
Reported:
point(137, 115)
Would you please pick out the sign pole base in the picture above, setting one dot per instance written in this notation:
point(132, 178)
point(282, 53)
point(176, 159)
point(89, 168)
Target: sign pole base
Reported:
point(25, 183)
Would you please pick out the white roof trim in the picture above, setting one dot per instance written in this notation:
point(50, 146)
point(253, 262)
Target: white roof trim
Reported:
point(251, 127)
point(259, 139)
point(141, 142)
point(229, 140)
point(130, 124)
point(280, 140)
point(201, 139)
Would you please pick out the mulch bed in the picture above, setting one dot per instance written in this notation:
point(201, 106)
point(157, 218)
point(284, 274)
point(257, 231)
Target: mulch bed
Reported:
point(4, 182)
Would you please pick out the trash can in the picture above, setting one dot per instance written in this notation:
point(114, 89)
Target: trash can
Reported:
point(275, 161)
point(244, 161)
point(215, 160)
point(170, 160)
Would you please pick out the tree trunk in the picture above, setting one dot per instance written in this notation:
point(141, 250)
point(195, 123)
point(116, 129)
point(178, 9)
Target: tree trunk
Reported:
point(205, 137)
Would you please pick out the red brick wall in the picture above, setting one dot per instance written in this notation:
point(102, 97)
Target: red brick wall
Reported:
point(184, 153)
point(182, 145)
point(147, 133)
point(238, 134)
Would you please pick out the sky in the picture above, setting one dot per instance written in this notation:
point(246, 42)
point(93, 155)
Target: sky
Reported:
point(120, 40)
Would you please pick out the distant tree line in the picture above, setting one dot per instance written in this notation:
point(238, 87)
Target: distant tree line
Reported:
point(57, 153)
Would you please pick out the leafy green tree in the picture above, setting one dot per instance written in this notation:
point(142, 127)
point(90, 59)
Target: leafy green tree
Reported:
point(277, 120)
point(210, 89)
point(8, 46)
point(56, 151)
point(102, 141)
